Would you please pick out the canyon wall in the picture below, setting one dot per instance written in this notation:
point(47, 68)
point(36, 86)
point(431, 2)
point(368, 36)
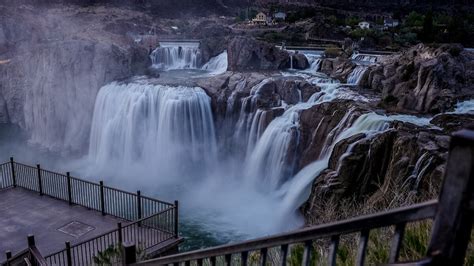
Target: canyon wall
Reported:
point(56, 61)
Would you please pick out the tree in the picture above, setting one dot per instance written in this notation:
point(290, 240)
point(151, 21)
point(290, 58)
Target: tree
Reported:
point(427, 33)
point(414, 19)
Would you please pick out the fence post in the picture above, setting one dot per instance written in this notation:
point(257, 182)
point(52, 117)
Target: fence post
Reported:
point(31, 241)
point(69, 190)
point(176, 218)
point(119, 228)
point(8, 253)
point(129, 254)
point(139, 205)
point(12, 163)
point(40, 183)
point(68, 254)
point(453, 221)
point(102, 198)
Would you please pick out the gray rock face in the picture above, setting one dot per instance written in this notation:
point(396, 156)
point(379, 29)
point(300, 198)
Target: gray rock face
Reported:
point(337, 68)
point(381, 168)
point(300, 61)
point(51, 81)
point(249, 54)
point(424, 79)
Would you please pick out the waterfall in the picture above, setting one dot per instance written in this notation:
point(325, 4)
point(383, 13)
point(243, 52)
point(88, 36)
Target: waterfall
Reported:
point(369, 58)
point(169, 128)
point(174, 55)
point(291, 61)
point(464, 107)
point(251, 122)
point(421, 166)
point(356, 75)
point(272, 159)
point(315, 64)
point(297, 190)
point(217, 65)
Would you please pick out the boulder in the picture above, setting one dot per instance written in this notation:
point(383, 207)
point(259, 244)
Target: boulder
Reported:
point(337, 68)
point(299, 61)
point(245, 54)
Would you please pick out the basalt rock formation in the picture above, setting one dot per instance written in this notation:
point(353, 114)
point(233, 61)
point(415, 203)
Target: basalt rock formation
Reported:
point(300, 61)
point(337, 68)
point(424, 79)
point(247, 54)
point(381, 171)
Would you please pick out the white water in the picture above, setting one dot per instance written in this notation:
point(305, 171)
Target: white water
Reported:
point(153, 125)
point(464, 107)
point(217, 65)
point(369, 58)
point(173, 55)
point(356, 75)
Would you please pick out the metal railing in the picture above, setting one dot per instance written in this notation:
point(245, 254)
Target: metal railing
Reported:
point(452, 216)
point(29, 256)
point(155, 221)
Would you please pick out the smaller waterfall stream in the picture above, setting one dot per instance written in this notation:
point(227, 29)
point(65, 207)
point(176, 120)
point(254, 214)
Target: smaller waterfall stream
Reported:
point(356, 75)
point(217, 65)
point(172, 56)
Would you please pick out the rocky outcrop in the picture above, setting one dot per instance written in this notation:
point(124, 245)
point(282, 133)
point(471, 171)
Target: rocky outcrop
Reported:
point(53, 75)
point(338, 68)
point(424, 79)
point(453, 122)
point(378, 170)
point(299, 61)
point(316, 124)
point(227, 90)
point(246, 54)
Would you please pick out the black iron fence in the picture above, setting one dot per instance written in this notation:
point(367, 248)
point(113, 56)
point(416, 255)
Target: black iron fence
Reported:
point(155, 221)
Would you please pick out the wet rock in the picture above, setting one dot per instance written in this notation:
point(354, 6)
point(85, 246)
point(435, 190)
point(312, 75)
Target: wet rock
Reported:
point(367, 168)
point(453, 122)
point(300, 61)
point(337, 68)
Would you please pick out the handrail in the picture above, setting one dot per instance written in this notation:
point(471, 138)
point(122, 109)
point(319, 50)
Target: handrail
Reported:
point(412, 213)
point(161, 217)
point(37, 258)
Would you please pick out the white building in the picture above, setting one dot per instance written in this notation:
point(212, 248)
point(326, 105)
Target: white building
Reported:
point(390, 23)
point(261, 18)
point(281, 16)
point(364, 25)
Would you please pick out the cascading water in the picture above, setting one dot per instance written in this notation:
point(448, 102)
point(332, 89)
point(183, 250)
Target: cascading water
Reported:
point(464, 107)
point(174, 55)
point(369, 58)
point(217, 65)
point(356, 75)
point(167, 128)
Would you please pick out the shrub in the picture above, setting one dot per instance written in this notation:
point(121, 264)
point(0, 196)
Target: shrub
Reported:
point(332, 52)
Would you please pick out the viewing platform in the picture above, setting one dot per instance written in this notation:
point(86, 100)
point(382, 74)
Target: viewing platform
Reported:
point(72, 220)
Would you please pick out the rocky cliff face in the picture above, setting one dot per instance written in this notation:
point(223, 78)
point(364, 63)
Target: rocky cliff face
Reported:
point(248, 54)
point(424, 79)
point(50, 82)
